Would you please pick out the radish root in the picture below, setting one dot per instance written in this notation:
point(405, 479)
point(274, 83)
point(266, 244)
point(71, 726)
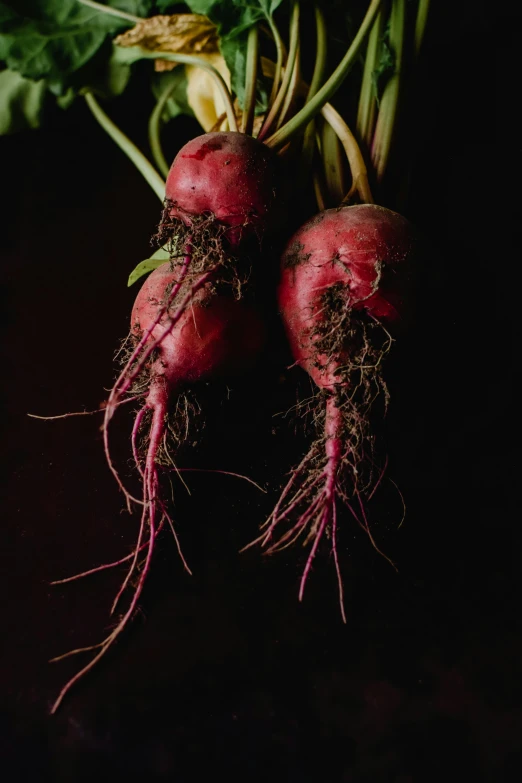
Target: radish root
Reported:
point(339, 464)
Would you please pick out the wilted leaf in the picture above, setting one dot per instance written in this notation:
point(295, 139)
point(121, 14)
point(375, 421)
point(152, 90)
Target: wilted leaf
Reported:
point(179, 33)
point(203, 95)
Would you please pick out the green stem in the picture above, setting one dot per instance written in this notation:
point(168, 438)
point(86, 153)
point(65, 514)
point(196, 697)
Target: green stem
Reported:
point(332, 163)
point(126, 145)
point(329, 88)
point(155, 130)
point(367, 100)
point(349, 142)
point(318, 176)
point(320, 53)
point(247, 121)
point(280, 50)
point(317, 78)
point(107, 9)
point(293, 89)
point(420, 23)
point(198, 62)
point(292, 54)
point(386, 119)
point(319, 196)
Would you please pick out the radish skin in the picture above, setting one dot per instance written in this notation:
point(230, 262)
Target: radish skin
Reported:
point(229, 177)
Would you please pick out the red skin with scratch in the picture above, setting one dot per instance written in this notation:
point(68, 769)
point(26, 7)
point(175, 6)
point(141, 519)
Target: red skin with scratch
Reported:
point(229, 175)
point(340, 246)
point(351, 246)
point(216, 333)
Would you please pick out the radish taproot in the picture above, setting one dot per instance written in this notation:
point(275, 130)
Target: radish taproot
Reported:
point(182, 331)
point(341, 286)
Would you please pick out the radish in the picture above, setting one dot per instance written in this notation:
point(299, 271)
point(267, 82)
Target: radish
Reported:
point(190, 322)
point(220, 186)
point(220, 190)
point(340, 289)
point(183, 331)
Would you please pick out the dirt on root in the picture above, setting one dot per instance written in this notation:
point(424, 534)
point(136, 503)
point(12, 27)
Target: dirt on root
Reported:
point(356, 344)
point(183, 421)
point(204, 237)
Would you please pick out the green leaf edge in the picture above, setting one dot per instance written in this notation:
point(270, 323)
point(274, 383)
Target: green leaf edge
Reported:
point(148, 265)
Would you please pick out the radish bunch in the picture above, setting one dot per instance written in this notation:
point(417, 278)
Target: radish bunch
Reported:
point(339, 293)
point(341, 287)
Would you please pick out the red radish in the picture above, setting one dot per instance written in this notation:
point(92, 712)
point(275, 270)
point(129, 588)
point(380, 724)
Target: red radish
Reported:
point(227, 177)
point(340, 287)
point(220, 190)
point(183, 331)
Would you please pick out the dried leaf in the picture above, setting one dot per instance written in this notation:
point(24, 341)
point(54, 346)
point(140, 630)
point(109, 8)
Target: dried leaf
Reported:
point(258, 124)
point(203, 96)
point(178, 33)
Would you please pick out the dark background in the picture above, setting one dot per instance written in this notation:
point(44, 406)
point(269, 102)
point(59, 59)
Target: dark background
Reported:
point(226, 669)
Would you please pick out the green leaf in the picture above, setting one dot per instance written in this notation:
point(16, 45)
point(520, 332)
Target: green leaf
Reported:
point(144, 267)
point(107, 74)
point(233, 18)
point(118, 72)
point(234, 51)
point(22, 102)
point(53, 39)
point(385, 66)
point(177, 102)
point(162, 6)
point(65, 100)
point(201, 6)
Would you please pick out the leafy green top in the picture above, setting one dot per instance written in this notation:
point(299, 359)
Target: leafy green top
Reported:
point(233, 19)
point(54, 39)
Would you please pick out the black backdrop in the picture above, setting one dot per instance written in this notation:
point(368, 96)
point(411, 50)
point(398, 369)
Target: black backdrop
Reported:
point(225, 670)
